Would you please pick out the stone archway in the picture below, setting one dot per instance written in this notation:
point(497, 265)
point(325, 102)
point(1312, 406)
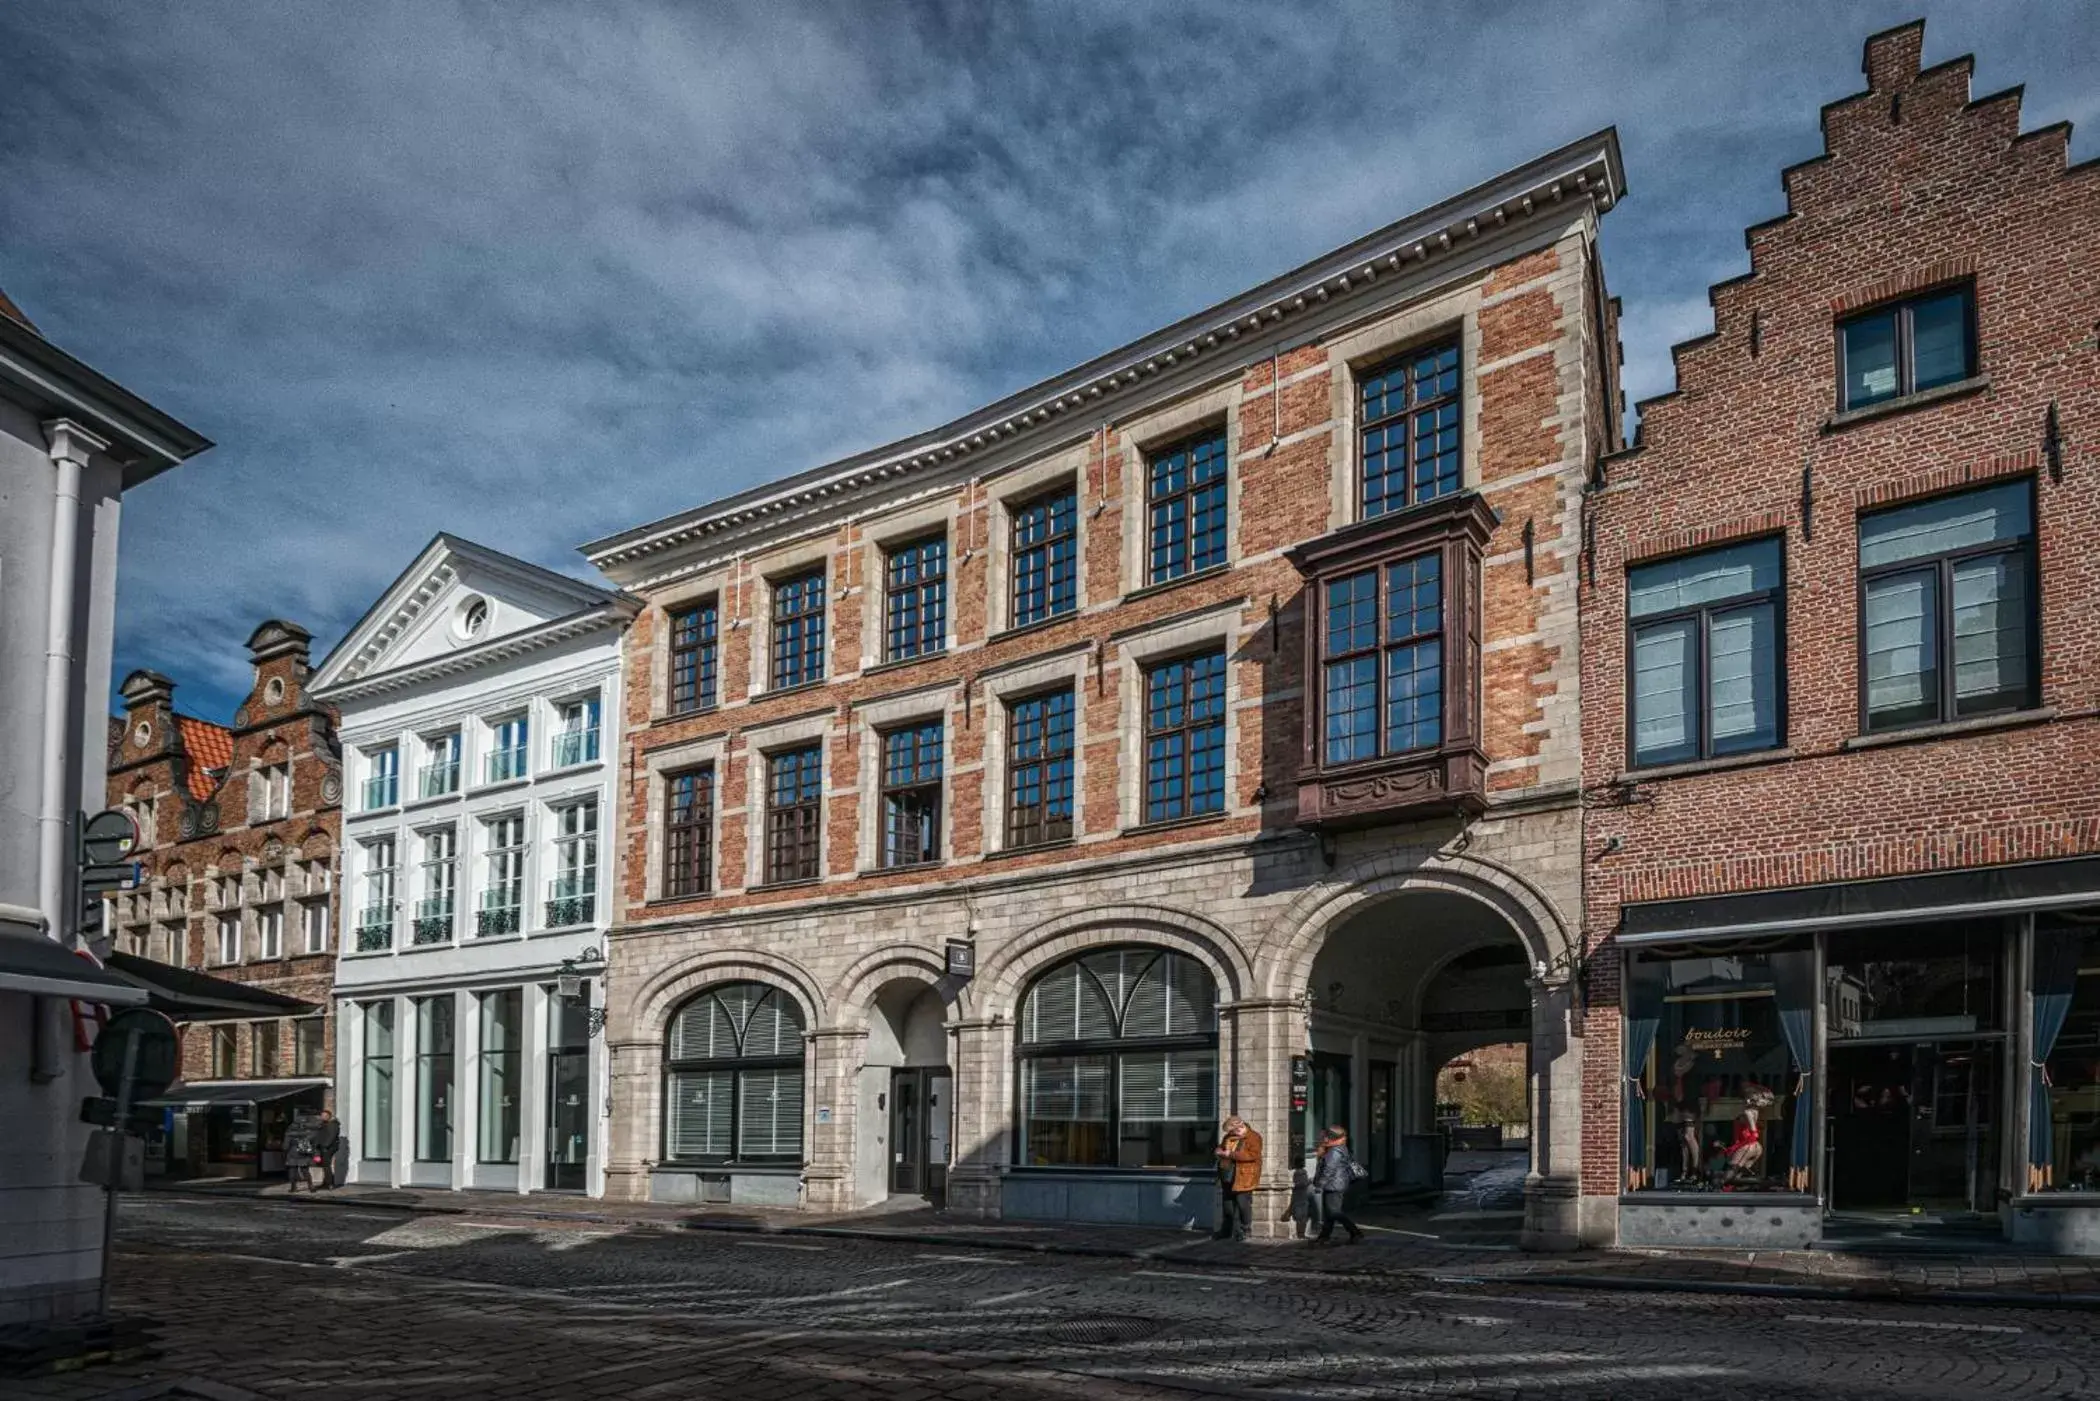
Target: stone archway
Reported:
point(1391, 964)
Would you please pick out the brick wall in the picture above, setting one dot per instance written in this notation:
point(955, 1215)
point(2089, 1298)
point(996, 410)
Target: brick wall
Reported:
point(1918, 185)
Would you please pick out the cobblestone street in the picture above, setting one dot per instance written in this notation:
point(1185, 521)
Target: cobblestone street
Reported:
point(393, 1304)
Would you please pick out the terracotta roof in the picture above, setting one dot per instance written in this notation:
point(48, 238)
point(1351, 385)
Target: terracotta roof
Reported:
point(210, 750)
point(14, 313)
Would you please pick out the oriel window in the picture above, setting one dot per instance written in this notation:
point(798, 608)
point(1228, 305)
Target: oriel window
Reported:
point(1383, 661)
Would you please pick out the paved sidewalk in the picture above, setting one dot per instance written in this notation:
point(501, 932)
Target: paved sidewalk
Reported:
point(1426, 1241)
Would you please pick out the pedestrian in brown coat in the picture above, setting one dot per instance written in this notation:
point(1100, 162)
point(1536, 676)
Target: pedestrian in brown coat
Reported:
point(1239, 1172)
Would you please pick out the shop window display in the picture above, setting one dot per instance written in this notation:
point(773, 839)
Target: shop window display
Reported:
point(1719, 1097)
point(2063, 1149)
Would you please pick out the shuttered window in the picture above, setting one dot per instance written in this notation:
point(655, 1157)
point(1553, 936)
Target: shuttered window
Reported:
point(1119, 1062)
point(733, 1077)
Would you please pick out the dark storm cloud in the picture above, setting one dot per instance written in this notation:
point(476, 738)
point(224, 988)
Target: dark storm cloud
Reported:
point(537, 273)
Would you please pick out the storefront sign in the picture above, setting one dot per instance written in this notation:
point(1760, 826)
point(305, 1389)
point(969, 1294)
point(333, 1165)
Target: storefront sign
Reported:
point(1717, 1041)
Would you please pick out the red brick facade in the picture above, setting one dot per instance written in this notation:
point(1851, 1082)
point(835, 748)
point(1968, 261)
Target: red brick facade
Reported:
point(219, 841)
point(1919, 187)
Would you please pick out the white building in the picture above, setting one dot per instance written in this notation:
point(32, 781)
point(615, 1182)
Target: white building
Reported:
point(479, 701)
point(71, 443)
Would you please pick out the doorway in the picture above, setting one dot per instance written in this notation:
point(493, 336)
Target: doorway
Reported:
point(1914, 1127)
point(919, 1117)
point(568, 1093)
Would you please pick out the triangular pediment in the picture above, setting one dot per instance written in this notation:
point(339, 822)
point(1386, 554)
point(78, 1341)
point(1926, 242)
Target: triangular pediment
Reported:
point(455, 597)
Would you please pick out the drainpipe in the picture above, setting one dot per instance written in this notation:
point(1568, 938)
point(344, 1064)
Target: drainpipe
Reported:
point(70, 446)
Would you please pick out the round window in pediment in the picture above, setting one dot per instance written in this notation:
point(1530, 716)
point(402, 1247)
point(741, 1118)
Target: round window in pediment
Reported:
point(471, 620)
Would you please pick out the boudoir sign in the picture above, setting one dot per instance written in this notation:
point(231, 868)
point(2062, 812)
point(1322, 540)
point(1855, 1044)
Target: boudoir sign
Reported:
point(1716, 1040)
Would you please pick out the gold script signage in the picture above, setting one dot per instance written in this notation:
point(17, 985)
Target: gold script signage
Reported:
point(1717, 1041)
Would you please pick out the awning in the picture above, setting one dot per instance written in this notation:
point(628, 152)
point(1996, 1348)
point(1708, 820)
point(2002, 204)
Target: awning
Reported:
point(1992, 890)
point(42, 967)
point(233, 1092)
point(189, 996)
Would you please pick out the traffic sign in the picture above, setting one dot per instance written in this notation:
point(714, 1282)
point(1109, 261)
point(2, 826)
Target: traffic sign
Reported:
point(118, 875)
point(108, 838)
point(157, 1062)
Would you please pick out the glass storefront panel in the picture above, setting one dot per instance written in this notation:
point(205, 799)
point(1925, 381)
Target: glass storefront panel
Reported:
point(434, 1071)
point(1719, 1050)
point(377, 1130)
point(2063, 1148)
point(1915, 982)
point(502, 1018)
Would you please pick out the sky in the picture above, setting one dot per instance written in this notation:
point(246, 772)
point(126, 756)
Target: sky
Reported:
point(534, 273)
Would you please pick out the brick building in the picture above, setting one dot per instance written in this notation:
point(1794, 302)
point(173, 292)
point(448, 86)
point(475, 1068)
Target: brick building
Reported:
point(981, 834)
point(239, 830)
point(1844, 837)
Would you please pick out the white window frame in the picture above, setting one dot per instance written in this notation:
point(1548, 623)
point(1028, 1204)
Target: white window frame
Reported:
point(228, 948)
point(503, 866)
point(581, 718)
point(575, 854)
point(498, 726)
point(269, 932)
point(443, 750)
point(271, 787)
point(382, 763)
point(311, 914)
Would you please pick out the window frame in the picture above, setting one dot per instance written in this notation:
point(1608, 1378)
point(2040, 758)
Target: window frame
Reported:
point(801, 812)
point(1016, 553)
point(1011, 823)
point(735, 1066)
point(1381, 650)
point(1399, 359)
point(926, 597)
point(794, 663)
point(691, 836)
point(1186, 446)
point(576, 855)
point(703, 647)
point(225, 1051)
point(1943, 564)
point(266, 1050)
point(1187, 730)
point(1113, 1048)
point(1903, 310)
point(918, 787)
point(1775, 596)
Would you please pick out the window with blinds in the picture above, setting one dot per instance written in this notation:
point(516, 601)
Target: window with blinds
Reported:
point(1119, 1062)
point(1705, 650)
point(734, 1077)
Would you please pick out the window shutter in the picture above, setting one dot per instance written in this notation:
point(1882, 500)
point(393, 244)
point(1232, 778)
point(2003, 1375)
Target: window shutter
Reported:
point(770, 1117)
point(699, 1113)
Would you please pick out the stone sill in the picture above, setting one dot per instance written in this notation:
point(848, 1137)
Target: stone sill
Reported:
point(1976, 724)
point(1087, 1174)
point(501, 785)
point(1023, 629)
point(1698, 766)
point(432, 801)
point(2051, 1201)
point(890, 664)
point(1961, 388)
point(767, 887)
point(739, 1169)
point(1666, 1197)
point(871, 872)
point(1168, 585)
point(1002, 853)
point(1173, 824)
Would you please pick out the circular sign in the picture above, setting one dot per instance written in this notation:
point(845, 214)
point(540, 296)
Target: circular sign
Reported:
point(158, 1058)
point(109, 837)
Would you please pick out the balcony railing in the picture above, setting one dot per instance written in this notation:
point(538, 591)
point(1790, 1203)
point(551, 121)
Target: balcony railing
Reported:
point(381, 791)
point(440, 779)
point(576, 747)
point(375, 928)
point(500, 912)
point(571, 900)
point(433, 920)
point(503, 766)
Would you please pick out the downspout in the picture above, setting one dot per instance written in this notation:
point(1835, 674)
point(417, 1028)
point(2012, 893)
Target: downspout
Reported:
point(70, 446)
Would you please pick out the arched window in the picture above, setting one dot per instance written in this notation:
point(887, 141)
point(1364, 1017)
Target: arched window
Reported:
point(733, 1077)
point(1119, 1062)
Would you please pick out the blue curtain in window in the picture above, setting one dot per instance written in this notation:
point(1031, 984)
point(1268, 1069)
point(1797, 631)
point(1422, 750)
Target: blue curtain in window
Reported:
point(2056, 953)
point(1794, 977)
point(1643, 1017)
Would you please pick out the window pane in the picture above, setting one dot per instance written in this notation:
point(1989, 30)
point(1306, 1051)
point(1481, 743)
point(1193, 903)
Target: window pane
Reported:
point(1414, 708)
point(1064, 1111)
point(1352, 613)
point(1173, 996)
point(1995, 515)
point(1168, 1085)
point(1046, 557)
point(1743, 679)
point(1870, 360)
point(1664, 674)
point(1903, 675)
point(1067, 1004)
point(502, 1018)
point(1351, 712)
point(378, 1127)
point(1990, 634)
point(769, 1113)
point(1939, 339)
point(1414, 597)
point(1677, 584)
point(434, 1061)
point(698, 1105)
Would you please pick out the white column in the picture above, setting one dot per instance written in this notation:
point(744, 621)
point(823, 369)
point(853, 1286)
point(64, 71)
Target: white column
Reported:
point(349, 1081)
point(466, 1088)
point(406, 1083)
point(535, 1008)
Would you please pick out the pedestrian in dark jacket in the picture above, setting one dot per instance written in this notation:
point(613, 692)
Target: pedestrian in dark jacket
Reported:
point(328, 1137)
point(1337, 1171)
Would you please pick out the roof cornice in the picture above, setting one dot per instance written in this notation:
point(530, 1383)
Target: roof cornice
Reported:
point(496, 650)
point(1588, 170)
point(50, 383)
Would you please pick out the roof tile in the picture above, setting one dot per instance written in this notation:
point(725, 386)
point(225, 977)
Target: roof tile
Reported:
point(210, 751)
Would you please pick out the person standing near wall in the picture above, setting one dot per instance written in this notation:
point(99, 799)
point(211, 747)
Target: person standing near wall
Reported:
point(1239, 1169)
